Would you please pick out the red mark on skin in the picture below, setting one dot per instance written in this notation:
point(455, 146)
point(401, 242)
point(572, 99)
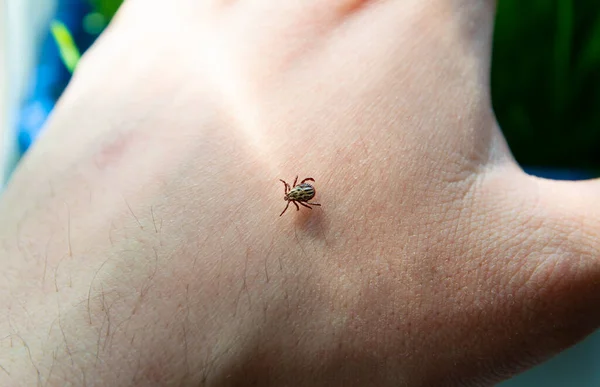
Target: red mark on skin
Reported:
point(345, 7)
point(113, 150)
point(155, 373)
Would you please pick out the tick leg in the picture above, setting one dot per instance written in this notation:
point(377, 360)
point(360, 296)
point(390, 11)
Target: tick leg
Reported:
point(305, 205)
point(296, 204)
point(295, 181)
point(286, 188)
point(285, 209)
point(307, 179)
point(314, 204)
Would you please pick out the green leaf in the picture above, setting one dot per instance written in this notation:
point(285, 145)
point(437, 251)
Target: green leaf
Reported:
point(107, 8)
point(590, 58)
point(562, 55)
point(66, 45)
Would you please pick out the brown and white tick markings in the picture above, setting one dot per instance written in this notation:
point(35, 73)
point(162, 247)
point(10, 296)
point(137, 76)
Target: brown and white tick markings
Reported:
point(301, 194)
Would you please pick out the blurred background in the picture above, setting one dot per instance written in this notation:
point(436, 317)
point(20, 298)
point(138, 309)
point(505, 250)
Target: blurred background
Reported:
point(545, 92)
point(40, 44)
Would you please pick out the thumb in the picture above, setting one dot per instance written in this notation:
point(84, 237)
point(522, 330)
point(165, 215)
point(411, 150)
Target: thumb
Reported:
point(569, 280)
point(575, 207)
point(550, 237)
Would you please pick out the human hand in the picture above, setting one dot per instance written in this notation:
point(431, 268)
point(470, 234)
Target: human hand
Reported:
point(141, 242)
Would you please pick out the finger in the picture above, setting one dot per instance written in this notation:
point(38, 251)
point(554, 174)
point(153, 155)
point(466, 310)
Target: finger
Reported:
point(576, 206)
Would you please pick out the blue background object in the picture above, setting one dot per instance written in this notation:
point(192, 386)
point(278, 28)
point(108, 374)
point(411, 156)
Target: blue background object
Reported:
point(560, 173)
point(578, 366)
point(50, 77)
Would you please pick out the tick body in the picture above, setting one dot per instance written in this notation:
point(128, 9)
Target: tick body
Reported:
point(299, 194)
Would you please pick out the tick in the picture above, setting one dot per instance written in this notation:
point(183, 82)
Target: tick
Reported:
point(300, 194)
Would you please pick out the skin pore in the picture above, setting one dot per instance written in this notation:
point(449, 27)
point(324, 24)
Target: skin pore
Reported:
point(141, 242)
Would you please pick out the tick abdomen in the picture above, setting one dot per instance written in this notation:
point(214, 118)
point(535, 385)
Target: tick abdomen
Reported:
point(302, 192)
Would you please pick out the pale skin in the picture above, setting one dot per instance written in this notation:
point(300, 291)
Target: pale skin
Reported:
point(141, 242)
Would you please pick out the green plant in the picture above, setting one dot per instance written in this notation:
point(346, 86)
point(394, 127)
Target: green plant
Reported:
point(546, 81)
point(106, 8)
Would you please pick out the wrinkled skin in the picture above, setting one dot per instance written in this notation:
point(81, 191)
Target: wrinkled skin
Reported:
point(140, 238)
